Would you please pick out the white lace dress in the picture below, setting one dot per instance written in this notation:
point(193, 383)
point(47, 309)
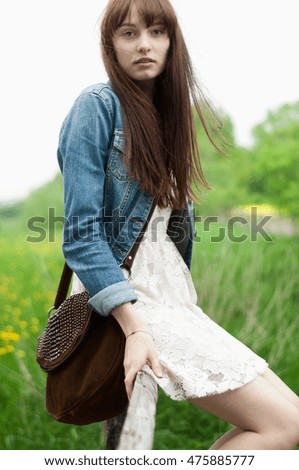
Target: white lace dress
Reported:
point(198, 356)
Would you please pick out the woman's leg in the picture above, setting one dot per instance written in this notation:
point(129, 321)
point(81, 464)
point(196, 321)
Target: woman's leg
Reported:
point(264, 417)
point(226, 437)
point(280, 386)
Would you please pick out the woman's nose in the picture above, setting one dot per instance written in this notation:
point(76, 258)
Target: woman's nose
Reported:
point(143, 43)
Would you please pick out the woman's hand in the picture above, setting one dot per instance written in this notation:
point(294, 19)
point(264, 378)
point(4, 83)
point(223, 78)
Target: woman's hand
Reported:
point(140, 348)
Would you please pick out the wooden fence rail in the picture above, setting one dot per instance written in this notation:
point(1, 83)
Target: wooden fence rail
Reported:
point(134, 429)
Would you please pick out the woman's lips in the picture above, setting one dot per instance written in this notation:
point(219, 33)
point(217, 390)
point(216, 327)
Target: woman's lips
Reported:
point(144, 60)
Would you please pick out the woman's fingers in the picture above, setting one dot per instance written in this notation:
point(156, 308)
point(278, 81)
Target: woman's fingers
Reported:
point(129, 383)
point(155, 365)
point(131, 373)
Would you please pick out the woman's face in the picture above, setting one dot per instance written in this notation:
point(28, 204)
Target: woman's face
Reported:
point(141, 51)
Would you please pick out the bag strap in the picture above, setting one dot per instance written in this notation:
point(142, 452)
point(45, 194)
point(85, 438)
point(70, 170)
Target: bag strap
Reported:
point(63, 286)
point(129, 259)
point(67, 272)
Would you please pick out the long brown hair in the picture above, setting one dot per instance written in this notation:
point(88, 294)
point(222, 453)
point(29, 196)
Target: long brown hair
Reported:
point(161, 148)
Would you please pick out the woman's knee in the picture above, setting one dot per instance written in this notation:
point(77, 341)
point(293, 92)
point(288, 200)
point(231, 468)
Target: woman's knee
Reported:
point(283, 433)
point(292, 429)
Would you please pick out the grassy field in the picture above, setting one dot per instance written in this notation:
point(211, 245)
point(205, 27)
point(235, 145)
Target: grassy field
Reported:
point(250, 288)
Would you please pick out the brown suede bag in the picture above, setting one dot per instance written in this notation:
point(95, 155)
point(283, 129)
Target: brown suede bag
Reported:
point(83, 353)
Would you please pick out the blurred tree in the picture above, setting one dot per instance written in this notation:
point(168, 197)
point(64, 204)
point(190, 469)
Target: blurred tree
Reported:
point(228, 174)
point(274, 160)
point(41, 200)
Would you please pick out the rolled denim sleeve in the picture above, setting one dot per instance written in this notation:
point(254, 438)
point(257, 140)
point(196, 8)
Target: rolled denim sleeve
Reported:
point(83, 150)
point(111, 297)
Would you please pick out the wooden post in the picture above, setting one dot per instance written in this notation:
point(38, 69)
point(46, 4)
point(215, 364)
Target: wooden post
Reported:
point(112, 430)
point(134, 429)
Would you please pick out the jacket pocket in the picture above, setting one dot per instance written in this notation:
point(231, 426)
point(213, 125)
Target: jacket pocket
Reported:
point(116, 157)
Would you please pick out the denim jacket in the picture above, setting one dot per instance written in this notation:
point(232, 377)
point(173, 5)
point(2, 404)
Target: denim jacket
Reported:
point(105, 209)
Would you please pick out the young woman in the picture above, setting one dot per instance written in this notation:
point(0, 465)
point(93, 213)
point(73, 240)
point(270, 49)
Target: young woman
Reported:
point(123, 145)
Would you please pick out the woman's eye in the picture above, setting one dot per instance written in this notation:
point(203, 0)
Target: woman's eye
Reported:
point(158, 31)
point(128, 34)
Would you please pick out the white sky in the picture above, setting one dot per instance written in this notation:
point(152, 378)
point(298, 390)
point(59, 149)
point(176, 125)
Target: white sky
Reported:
point(245, 52)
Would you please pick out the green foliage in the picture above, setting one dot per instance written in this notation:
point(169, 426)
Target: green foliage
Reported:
point(11, 210)
point(266, 173)
point(274, 160)
point(48, 196)
point(227, 173)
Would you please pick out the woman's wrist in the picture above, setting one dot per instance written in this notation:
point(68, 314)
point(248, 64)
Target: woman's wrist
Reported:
point(128, 319)
point(138, 331)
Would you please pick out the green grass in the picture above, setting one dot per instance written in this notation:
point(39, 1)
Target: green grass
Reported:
point(251, 289)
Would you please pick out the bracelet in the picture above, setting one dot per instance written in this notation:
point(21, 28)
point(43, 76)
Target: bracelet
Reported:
point(139, 331)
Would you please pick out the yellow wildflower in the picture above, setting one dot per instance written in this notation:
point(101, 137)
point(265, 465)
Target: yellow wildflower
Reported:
point(23, 324)
point(34, 329)
point(9, 336)
point(21, 353)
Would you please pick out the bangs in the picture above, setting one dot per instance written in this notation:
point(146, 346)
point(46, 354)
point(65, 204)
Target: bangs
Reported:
point(150, 11)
